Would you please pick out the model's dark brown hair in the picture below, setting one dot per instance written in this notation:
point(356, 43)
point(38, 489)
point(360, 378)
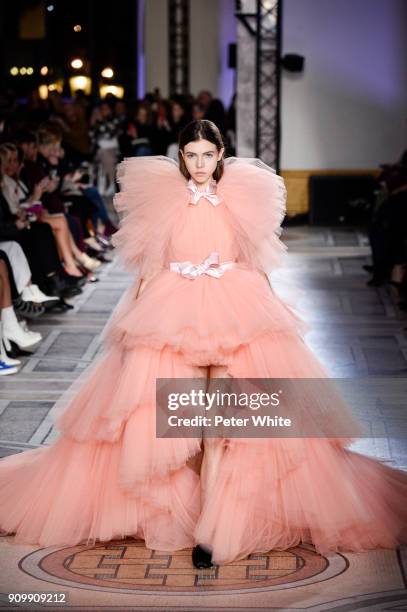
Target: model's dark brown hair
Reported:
point(201, 129)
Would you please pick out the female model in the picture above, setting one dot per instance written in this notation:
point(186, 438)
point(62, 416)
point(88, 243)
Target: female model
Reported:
point(202, 235)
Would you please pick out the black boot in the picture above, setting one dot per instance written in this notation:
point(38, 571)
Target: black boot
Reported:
point(61, 285)
point(74, 281)
point(61, 306)
point(201, 558)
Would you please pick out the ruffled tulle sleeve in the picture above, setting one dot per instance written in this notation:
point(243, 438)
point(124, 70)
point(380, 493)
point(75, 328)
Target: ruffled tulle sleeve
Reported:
point(152, 190)
point(256, 200)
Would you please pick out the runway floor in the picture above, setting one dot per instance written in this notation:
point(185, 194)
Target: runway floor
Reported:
point(356, 331)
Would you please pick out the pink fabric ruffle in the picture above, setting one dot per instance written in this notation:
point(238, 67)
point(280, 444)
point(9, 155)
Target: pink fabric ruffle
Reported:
point(256, 199)
point(109, 476)
point(73, 492)
point(276, 495)
point(241, 304)
point(153, 193)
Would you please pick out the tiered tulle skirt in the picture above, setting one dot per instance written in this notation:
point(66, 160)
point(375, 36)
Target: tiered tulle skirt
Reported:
point(109, 476)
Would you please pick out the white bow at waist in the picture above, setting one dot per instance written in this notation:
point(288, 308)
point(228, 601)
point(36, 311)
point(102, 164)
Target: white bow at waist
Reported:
point(210, 266)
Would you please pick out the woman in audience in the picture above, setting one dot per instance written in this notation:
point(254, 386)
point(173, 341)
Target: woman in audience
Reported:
point(39, 245)
point(141, 133)
point(76, 133)
point(33, 175)
point(84, 196)
point(79, 206)
point(104, 133)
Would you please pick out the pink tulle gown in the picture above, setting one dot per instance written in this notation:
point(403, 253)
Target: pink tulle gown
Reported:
point(108, 476)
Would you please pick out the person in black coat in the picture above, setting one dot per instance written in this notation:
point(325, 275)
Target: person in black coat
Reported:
point(38, 243)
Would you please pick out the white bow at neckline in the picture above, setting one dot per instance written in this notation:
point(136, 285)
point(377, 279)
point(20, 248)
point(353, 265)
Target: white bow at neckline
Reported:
point(209, 193)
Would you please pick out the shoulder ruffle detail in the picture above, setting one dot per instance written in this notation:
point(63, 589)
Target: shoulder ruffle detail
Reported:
point(256, 200)
point(151, 191)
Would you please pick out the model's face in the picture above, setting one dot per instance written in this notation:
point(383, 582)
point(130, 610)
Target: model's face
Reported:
point(201, 158)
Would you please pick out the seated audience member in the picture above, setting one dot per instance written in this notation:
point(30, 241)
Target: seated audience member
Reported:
point(105, 129)
point(388, 226)
point(36, 171)
point(39, 245)
point(141, 133)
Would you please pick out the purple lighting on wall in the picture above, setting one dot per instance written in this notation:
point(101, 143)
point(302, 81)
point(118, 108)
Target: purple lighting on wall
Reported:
point(141, 86)
point(227, 34)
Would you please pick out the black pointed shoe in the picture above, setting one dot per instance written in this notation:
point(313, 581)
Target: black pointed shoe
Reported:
point(201, 558)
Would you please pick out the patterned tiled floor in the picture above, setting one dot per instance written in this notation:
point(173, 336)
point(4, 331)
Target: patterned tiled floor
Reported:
point(356, 331)
point(70, 343)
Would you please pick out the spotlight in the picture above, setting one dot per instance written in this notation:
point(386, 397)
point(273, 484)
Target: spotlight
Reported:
point(14, 70)
point(44, 70)
point(43, 92)
point(30, 70)
point(107, 73)
point(77, 28)
point(23, 70)
point(116, 90)
point(50, 8)
point(82, 82)
point(77, 63)
point(57, 86)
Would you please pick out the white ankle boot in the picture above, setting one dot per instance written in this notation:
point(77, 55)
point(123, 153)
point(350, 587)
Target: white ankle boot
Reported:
point(7, 364)
point(32, 293)
point(4, 347)
point(13, 331)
